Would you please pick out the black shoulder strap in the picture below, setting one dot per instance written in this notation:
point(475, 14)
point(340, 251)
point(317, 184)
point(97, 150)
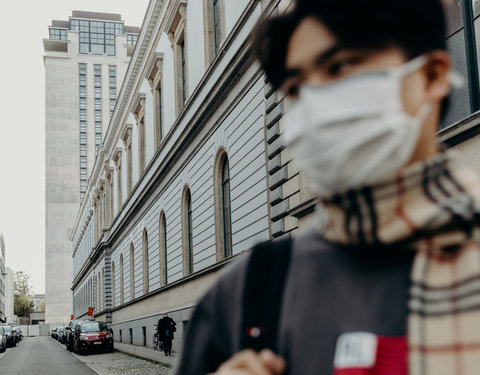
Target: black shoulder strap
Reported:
point(262, 298)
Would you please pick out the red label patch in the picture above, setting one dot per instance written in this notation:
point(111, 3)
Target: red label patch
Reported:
point(360, 353)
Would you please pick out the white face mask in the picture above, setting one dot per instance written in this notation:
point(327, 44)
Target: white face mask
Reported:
point(354, 131)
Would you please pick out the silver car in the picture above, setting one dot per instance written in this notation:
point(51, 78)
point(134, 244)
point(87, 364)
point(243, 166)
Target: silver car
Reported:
point(3, 340)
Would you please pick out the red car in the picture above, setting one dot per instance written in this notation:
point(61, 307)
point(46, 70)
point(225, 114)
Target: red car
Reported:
point(92, 336)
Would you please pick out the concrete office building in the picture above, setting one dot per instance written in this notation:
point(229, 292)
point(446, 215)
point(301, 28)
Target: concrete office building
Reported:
point(192, 170)
point(9, 297)
point(3, 273)
point(85, 60)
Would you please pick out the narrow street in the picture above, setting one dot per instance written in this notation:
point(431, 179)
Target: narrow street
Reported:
point(39, 356)
point(43, 355)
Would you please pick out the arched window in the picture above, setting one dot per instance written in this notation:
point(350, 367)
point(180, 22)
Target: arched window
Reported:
point(132, 273)
point(145, 261)
point(162, 244)
point(113, 284)
point(121, 280)
point(223, 211)
point(187, 232)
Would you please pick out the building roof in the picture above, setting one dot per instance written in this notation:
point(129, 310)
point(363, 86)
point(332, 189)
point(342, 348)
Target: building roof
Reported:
point(96, 15)
point(131, 30)
point(62, 24)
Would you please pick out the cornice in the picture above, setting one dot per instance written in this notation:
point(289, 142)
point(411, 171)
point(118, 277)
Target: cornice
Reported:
point(154, 67)
point(138, 105)
point(178, 11)
point(126, 134)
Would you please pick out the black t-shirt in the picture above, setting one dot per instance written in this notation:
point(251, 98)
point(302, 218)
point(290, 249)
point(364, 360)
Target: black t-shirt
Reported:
point(330, 290)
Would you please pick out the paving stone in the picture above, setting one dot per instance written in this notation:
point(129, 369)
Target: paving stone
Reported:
point(117, 363)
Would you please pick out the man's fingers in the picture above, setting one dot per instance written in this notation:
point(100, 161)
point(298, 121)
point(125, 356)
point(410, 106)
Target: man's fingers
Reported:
point(274, 362)
point(247, 362)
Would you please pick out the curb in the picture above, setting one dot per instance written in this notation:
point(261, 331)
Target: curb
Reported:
point(164, 364)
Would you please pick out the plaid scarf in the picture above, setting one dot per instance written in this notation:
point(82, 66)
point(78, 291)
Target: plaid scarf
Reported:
point(432, 207)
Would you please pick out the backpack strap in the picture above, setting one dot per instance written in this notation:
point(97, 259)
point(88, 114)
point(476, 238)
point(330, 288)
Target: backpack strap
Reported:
point(262, 299)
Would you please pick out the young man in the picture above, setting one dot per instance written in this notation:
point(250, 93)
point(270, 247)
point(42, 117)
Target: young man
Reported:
point(389, 283)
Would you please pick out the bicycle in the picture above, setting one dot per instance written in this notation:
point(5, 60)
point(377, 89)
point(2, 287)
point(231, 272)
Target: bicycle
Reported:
point(157, 343)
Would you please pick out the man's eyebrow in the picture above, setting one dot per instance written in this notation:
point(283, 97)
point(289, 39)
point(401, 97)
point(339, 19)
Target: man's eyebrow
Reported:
point(319, 60)
point(328, 54)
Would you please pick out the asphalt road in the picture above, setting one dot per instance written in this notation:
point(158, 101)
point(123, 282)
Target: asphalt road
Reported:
point(41, 356)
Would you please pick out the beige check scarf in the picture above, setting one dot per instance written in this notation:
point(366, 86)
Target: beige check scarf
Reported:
point(433, 207)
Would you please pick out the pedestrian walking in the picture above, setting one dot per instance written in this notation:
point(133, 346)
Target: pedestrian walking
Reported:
point(387, 282)
point(166, 327)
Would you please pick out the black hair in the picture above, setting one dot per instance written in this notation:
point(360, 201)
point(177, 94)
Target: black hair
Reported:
point(414, 26)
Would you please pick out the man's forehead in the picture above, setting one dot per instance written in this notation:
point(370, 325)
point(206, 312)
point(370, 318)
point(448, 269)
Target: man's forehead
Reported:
point(310, 39)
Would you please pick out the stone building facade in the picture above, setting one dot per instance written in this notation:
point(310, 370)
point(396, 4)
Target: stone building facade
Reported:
point(192, 170)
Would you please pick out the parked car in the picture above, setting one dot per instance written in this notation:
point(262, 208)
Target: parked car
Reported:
point(20, 334)
point(60, 334)
point(70, 334)
point(16, 333)
point(92, 335)
point(11, 339)
point(53, 333)
point(3, 340)
point(64, 334)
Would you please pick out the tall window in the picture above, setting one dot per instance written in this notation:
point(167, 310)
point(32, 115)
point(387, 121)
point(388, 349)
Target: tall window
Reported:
point(141, 144)
point(187, 232)
point(97, 37)
point(154, 75)
point(114, 292)
point(132, 273)
point(223, 212)
point(118, 165)
point(98, 105)
point(183, 73)
point(110, 196)
point(103, 288)
point(83, 129)
point(129, 168)
point(139, 114)
point(227, 213)
point(214, 29)
point(217, 31)
point(145, 261)
point(99, 292)
point(162, 242)
point(121, 281)
point(463, 18)
point(159, 112)
point(175, 28)
point(112, 76)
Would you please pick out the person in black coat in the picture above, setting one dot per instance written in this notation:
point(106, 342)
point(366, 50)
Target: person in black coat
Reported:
point(166, 328)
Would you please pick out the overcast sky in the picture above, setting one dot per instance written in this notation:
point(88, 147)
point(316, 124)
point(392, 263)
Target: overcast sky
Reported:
point(23, 25)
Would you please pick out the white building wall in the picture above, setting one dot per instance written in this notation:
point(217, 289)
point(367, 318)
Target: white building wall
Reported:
point(237, 125)
point(233, 11)
point(195, 43)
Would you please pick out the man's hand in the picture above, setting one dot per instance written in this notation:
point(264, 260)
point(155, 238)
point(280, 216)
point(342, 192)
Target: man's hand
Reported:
point(248, 362)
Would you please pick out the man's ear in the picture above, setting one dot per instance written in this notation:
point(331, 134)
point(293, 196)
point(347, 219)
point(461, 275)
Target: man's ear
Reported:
point(437, 71)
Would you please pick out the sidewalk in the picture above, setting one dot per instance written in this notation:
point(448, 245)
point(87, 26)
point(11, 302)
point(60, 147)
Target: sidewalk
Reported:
point(147, 353)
